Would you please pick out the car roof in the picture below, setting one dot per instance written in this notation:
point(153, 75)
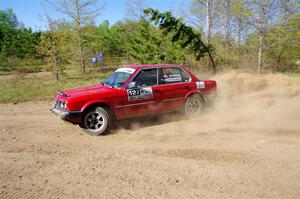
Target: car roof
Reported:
point(150, 66)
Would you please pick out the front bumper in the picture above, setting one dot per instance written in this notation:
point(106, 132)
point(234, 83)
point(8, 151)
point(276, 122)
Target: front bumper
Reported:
point(70, 116)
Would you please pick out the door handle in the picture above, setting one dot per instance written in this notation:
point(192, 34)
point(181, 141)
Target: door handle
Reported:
point(156, 91)
point(186, 87)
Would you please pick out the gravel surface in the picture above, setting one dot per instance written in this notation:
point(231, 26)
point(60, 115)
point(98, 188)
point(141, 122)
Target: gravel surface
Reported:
point(246, 146)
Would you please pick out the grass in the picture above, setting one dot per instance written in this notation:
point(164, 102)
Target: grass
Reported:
point(293, 74)
point(20, 89)
point(5, 72)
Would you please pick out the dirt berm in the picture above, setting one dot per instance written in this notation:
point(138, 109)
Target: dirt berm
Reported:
point(246, 146)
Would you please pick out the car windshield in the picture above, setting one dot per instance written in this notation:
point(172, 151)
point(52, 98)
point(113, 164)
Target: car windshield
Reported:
point(118, 78)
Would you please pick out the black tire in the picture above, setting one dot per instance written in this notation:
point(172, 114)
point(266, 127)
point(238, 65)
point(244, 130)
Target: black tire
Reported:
point(193, 105)
point(97, 121)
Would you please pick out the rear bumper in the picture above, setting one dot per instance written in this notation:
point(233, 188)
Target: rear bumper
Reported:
point(70, 116)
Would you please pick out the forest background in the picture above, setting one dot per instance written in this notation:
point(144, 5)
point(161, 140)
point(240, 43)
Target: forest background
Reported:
point(249, 35)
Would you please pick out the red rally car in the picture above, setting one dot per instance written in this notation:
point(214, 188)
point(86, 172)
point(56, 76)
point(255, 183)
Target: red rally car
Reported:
point(133, 91)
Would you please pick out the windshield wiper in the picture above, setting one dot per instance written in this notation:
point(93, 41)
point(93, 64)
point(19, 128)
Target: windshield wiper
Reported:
point(107, 84)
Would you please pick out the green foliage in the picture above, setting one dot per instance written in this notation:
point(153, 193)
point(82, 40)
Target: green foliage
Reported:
point(56, 46)
point(156, 38)
point(16, 42)
point(116, 39)
point(146, 46)
point(8, 32)
point(110, 40)
point(283, 45)
point(181, 34)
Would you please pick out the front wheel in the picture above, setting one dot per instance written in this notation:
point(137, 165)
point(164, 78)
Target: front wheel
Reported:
point(96, 121)
point(193, 105)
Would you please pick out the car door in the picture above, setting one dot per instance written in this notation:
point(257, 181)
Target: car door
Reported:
point(173, 85)
point(141, 99)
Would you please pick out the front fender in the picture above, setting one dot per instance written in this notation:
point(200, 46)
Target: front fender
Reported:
point(89, 103)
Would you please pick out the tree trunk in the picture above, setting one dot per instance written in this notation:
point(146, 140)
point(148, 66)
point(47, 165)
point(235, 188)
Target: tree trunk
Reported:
point(227, 41)
point(54, 58)
point(208, 10)
point(279, 61)
point(228, 25)
point(209, 22)
point(212, 61)
point(260, 52)
point(56, 69)
point(283, 11)
point(210, 57)
point(79, 36)
point(239, 31)
point(82, 64)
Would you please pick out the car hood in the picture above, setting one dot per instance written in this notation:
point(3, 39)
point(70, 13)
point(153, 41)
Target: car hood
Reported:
point(87, 90)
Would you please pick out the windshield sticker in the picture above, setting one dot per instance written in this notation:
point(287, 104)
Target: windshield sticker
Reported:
point(200, 85)
point(126, 70)
point(139, 94)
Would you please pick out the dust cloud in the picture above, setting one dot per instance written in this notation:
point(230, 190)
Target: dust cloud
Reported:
point(245, 102)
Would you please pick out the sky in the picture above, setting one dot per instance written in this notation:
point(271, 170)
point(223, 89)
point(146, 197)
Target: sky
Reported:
point(32, 12)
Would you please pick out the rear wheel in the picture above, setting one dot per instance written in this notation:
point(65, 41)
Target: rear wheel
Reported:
point(193, 105)
point(96, 121)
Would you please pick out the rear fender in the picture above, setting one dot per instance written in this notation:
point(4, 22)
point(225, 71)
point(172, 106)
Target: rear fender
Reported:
point(192, 92)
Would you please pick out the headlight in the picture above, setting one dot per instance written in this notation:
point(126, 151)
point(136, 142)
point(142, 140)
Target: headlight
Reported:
point(64, 105)
point(60, 104)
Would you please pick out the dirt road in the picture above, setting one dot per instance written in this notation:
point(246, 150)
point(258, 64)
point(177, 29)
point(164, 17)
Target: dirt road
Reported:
point(246, 146)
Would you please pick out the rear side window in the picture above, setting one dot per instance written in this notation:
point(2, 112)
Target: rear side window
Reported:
point(171, 75)
point(145, 78)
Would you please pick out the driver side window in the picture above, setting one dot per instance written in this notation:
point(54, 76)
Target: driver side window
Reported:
point(145, 78)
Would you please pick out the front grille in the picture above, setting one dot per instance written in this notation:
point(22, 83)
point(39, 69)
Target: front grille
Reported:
point(55, 104)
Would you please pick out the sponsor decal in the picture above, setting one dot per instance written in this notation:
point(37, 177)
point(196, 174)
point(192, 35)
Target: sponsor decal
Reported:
point(126, 70)
point(172, 78)
point(139, 93)
point(200, 85)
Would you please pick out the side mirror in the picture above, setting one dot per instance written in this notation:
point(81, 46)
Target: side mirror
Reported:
point(119, 84)
point(131, 85)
